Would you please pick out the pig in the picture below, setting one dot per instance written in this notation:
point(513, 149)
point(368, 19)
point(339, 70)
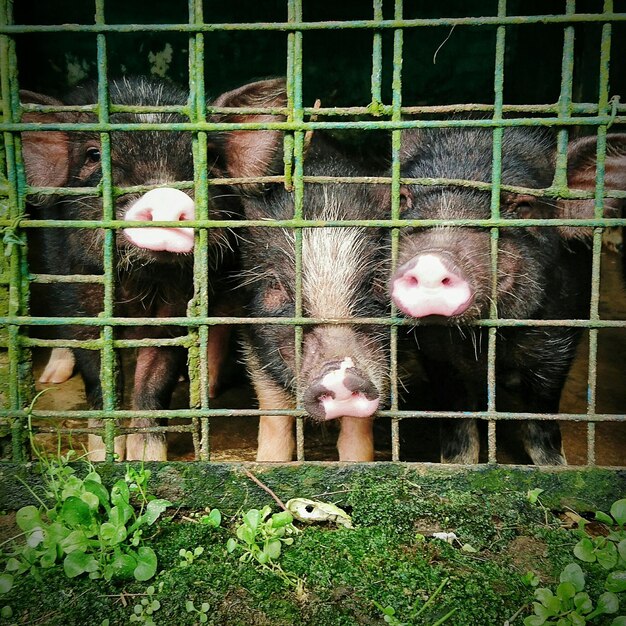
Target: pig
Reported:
point(153, 266)
point(443, 278)
point(343, 370)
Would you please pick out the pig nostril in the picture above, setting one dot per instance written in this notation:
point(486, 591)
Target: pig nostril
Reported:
point(413, 282)
point(446, 281)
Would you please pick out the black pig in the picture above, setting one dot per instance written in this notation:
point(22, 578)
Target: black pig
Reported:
point(344, 368)
point(153, 266)
point(444, 276)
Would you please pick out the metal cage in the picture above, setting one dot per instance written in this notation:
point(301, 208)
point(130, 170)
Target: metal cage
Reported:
point(387, 27)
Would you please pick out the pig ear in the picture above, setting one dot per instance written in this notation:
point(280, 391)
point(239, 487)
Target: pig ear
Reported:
point(46, 153)
point(252, 152)
point(581, 174)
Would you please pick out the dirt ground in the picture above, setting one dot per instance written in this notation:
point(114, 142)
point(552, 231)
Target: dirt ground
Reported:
point(234, 438)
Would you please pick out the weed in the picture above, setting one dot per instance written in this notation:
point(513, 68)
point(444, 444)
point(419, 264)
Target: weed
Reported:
point(188, 557)
point(570, 604)
point(90, 529)
point(143, 612)
point(260, 538)
point(201, 612)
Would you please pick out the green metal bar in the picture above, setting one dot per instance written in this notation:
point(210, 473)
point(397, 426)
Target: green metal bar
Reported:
point(199, 306)
point(108, 358)
point(377, 62)
point(295, 86)
point(594, 313)
point(549, 122)
point(190, 321)
point(496, 179)
point(396, 142)
point(291, 26)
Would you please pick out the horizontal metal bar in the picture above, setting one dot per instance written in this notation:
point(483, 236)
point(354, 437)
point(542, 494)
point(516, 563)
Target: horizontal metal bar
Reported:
point(191, 413)
point(97, 344)
point(292, 26)
point(46, 279)
point(98, 127)
point(289, 321)
point(605, 222)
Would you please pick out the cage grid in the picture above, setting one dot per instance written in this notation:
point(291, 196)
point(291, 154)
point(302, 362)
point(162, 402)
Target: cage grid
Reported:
point(299, 120)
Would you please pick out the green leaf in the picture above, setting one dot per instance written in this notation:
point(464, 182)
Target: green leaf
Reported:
point(618, 511)
point(607, 557)
point(75, 512)
point(120, 514)
point(6, 612)
point(111, 534)
point(616, 581)
point(548, 599)
point(619, 621)
point(252, 519)
point(533, 495)
point(607, 603)
point(154, 510)
point(146, 564)
point(98, 490)
point(534, 620)
point(75, 541)
point(49, 557)
point(621, 548)
point(565, 591)
point(604, 518)
point(122, 567)
point(577, 620)
point(281, 519)
point(573, 573)
point(120, 493)
point(231, 544)
point(189, 606)
point(583, 603)
point(91, 499)
point(584, 550)
point(27, 518)
point(12, 565)
point(273, 549)
point(6, 582)
point(77, 563)
point(214, 518)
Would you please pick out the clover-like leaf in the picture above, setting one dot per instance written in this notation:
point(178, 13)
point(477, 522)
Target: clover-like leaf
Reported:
point(252, 518)
point(607, 603)
point(534, 620)
point(6, 582)
point(98, 490)
point(565, 591)
point(146, 564)
point(585, 551)
point(27, 518)
point(618, 511)
point(573, 573)
point(154, 510)
point(583, 603)
point(120, 493)
point(122, 567)
point(75, 512)
point(77, 563)
point(616, 581)
point(607, 556)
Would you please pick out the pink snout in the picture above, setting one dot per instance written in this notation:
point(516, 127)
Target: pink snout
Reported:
point(427, 286)
point(341, 391)
point(163, 204)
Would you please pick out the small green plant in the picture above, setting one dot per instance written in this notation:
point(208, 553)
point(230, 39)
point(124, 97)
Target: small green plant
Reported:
point(201, 612)
point(188, 557)
point(570, 605)
point(143, 612)
point(260, 538)
point(90, 529)
point(213, 518)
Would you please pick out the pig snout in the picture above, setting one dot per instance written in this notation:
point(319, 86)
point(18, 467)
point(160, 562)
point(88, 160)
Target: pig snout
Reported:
point(341, 391)
point(164, 204)
point(429, 285)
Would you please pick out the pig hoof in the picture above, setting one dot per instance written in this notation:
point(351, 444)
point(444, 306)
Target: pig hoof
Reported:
point(341, 391)
point(60, 366)
point(146, 448)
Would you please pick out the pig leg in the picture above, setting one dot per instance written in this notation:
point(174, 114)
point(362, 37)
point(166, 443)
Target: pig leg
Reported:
point(459, 441)
point(356, 439)
point(60, 366)
point(542, 441)
point(156, 375)
point(88, 363)
point(217, 349)
point(276, 442)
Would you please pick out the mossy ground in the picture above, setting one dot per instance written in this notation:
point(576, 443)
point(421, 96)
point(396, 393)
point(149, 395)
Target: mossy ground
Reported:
point(389, 557)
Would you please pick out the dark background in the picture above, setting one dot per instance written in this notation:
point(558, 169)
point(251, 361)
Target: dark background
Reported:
point(336, 64)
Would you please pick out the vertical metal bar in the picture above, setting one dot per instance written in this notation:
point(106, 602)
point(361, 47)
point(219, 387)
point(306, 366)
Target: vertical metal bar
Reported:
point(199, 306)
point(396, 141)
point(496, 178)
point(603, 107)
point(19, 376)
point(108, 363)
point(294, 82)
point(377, 59)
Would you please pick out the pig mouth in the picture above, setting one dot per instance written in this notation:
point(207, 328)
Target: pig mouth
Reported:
point(173, 240)
point(341, 391)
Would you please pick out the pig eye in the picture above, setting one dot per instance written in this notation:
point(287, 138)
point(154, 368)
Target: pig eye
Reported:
point(275, 296)
point(92, 155)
